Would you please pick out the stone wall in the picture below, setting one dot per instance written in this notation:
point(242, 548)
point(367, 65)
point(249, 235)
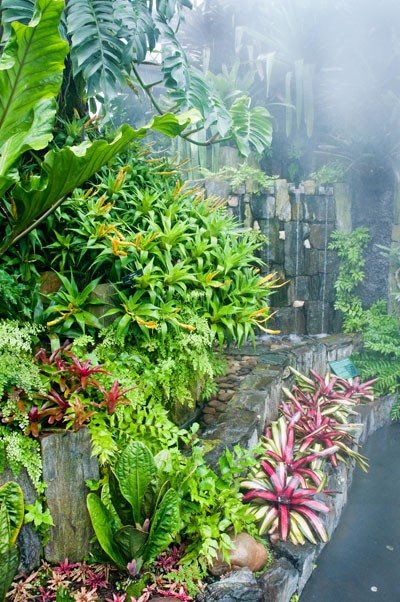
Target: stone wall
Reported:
point(248, 398)
point(297, 224)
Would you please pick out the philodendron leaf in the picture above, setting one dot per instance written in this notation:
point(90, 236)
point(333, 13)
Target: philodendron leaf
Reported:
point(9, 561)
point(136, 473)
point(164, 525)
point(102, 521)
point(12, 498)
point(30, 79)
point(131, 541)
point(62, 171)
point(251, 126)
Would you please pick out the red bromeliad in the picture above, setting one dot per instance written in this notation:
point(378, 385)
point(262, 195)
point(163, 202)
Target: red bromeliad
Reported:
point(284, 507)
point(280, 446)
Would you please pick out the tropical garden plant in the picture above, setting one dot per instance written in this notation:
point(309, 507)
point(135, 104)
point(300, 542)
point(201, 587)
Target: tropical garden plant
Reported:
point(11, 520)
point(379, 328)
point(284, 489)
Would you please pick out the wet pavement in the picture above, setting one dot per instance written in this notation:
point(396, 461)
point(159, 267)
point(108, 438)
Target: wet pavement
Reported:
point(361, 563)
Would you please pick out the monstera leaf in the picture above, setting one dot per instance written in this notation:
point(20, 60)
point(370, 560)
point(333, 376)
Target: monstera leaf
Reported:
point(30, 79)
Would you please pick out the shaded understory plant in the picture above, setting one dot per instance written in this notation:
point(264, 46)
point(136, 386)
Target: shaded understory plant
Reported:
point(11, 519)
point(92, 581)
point(315, 426)
point(139, 515)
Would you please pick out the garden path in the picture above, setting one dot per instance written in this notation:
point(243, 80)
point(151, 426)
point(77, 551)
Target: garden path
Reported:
point(362, 561)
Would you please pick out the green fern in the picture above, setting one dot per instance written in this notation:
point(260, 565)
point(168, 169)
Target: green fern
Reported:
point(387, 369)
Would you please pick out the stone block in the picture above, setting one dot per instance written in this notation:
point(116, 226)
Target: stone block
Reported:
point(301, 557)
point(283, 207)
point(320, 234)
point(67, 463)
point(297, 209)
point(217, 187)
point(294, 249)
point(311, 261)
point(239, 586)
point(263, 206)
point(319, 209)
point(274, 251)
point(280, 582)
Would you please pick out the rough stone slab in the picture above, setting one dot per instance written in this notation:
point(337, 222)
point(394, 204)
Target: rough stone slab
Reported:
point(280, 582)
point(67, 463)
point(240, 586)
point(283, 208)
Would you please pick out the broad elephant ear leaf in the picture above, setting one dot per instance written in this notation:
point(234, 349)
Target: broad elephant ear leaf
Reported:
point(9, 560)
point(136, 473)
point(62, 171)
point(164, 525)
point(132, 541)
point(103, 521)
point(12, 500)
point(30, 79)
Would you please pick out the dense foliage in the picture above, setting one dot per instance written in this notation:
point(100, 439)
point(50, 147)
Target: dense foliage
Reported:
point(315, 426)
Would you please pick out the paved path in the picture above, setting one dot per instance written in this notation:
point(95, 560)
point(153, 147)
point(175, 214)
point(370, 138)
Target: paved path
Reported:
point(362, 561)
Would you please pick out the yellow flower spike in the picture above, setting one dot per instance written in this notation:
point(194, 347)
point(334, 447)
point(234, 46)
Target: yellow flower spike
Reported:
point(101, 200)
point(115, 243)
point(120, 179)
point(178, 187)
point(89, 193)
point(152, 237)
point(186, 326)
point(220, 284)
point(57, 320)
point(150, 324)
point(138, 241)
point(210, 276)
point(189, 192)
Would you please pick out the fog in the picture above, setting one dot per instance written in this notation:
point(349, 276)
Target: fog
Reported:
point(327, 70)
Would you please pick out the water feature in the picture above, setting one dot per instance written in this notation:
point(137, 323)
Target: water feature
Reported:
point(323, 284)
point(297, 262)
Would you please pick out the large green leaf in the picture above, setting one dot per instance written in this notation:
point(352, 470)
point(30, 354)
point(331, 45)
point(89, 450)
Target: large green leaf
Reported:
point(97, 50)
point(12, 498)
point(62, 171)
point(132, 541)
point(164, 526)
point(9, 561)
point(136, 472)
point(30, 79)
point(102, 521)
point(251, 126)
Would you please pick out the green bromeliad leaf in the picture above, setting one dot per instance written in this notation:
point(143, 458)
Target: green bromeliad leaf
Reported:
point(29, 82)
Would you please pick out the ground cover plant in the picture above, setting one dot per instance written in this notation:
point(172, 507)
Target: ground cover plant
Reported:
point(287, 491)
